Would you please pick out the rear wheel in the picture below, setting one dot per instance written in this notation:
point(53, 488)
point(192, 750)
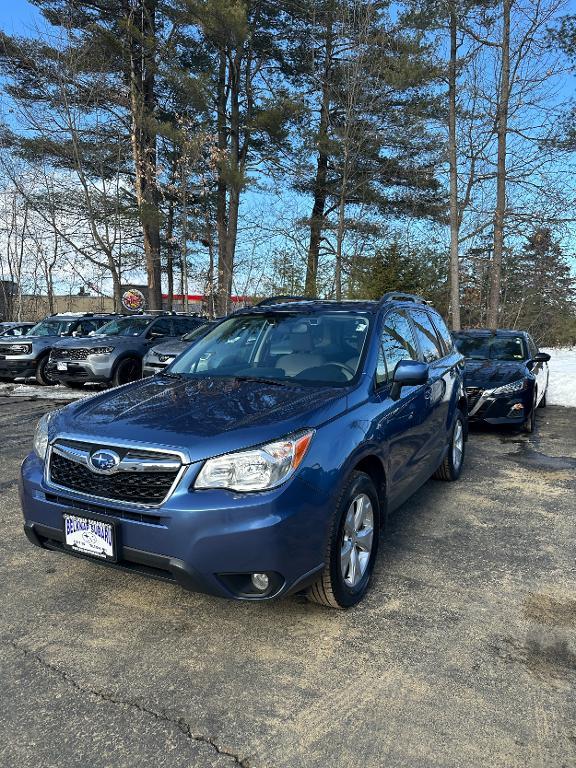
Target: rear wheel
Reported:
point(352, 546)
point(451, 467)
point(43, 376)
point(129, 369)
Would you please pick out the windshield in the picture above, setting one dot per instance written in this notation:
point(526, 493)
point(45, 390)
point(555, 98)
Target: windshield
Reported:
point(126, 326)
point(323, 348)
point(195, 333)
point(491, 347)
point(51, 328)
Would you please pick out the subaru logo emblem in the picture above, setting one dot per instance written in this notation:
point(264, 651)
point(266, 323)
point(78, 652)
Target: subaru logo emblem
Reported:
point(104, 461)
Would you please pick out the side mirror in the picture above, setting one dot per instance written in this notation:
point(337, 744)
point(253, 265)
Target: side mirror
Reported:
point(541, 357)
point(408, 373)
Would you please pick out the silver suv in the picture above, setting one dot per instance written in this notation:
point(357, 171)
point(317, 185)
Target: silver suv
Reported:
point(113, 355)
point(28, 356)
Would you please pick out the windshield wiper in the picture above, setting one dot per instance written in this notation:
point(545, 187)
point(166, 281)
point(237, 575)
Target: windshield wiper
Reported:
point(261, 380)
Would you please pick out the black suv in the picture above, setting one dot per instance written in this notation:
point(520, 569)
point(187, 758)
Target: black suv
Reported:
point(28, 356)
point(114, 354)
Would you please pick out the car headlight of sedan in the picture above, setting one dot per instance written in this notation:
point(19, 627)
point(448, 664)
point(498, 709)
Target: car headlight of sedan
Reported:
point(19, 349)
point(257, 469)
point(101, 350)
point(515, 386)
point(41, 436)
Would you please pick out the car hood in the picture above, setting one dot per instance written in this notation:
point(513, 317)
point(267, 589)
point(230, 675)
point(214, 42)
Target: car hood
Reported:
point(35, 340)
point(203, 417)
point(82, 342)
point(488, 374)
point(173, 347)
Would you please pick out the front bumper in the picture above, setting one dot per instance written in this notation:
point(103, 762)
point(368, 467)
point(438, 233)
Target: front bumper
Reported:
point(16, 367)
point(201, 540)
point(91, 369)
point(500, 409)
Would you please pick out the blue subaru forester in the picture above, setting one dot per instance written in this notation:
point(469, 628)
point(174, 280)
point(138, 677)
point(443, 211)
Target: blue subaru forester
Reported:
point(265, 459)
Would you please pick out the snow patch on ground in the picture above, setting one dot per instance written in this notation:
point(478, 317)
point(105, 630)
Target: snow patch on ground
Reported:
point(562, 386)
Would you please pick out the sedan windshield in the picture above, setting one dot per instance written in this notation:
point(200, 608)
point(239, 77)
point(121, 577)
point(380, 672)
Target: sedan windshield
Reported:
point(491, 347)
point(126, 326)
point(51, 328)
point(323, 348)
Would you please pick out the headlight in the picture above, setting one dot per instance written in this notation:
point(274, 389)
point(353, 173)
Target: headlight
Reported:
point(19, 349)
point(514, 386)
point(257, 469)
point(101, 350)
point(41, 436)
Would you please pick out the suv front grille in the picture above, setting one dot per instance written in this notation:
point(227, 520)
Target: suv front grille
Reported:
point(134, 487)
point(69, 353)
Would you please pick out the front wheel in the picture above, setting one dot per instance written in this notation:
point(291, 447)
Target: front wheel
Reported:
point(43, 376)
point(451, 467)
point(352, 546)
point(129, 369)
point(530, 423)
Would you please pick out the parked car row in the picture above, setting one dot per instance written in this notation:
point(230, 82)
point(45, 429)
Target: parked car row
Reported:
point(73, 349)
point(266, 457)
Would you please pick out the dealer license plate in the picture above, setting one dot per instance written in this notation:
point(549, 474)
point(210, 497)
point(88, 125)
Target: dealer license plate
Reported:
point(89, 536)
point(61, 366)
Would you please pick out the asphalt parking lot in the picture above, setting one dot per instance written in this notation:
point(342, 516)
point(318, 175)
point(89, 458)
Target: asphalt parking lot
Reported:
point(463, 653)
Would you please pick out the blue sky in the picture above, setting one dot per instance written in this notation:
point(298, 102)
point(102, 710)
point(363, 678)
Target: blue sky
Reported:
point(17, 16)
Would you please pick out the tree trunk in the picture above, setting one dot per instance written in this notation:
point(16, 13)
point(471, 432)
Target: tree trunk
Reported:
point(453, 163)
point(319, 187)
point(221, 191)
point(170, 254)
point(142, 46)
point(501, 130)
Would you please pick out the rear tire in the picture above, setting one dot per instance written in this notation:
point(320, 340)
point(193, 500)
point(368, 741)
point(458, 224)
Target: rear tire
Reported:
point(352, 546)
point(127, 370)
point(451, 467)
point(42, 376)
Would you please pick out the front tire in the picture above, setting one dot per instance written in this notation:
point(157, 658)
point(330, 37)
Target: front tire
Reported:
point(530, 423)
point(42, 376)
point(352, 546)
point(127, 370)
point(451, 467)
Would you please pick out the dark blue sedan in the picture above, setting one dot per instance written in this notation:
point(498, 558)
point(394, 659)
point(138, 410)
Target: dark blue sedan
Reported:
point(265, 459)
point(506, 376)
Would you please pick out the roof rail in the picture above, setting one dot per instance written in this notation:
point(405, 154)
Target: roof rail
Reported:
point(399, 296)
point(283, 299)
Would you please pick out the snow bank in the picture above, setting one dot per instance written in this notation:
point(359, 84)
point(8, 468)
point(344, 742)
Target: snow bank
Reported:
point(562, 386)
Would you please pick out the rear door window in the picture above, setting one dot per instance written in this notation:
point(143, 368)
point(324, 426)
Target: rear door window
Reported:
point(443, 332)
point(396, 343)
point(429, 342)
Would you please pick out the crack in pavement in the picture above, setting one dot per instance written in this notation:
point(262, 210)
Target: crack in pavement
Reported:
point(183, 726)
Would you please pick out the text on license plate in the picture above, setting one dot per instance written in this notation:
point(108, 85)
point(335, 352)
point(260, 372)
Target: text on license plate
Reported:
point(91, 537)
point(61, 366)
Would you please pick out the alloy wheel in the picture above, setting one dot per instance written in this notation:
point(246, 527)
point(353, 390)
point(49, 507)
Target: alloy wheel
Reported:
point(357, 537)
point(457, 445)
